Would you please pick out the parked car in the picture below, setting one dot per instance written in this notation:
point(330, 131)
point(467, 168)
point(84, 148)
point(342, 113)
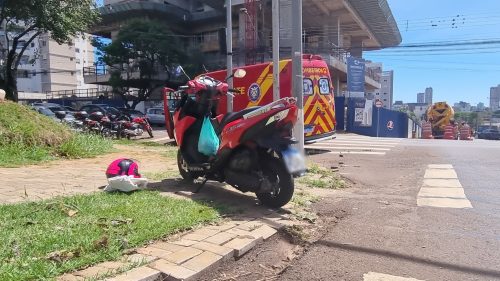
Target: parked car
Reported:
point(54, 108)
point(69, 109)
point(489, 134)
point(45, 111)
point(132, 113)
point(156, 116)
point(103, 108)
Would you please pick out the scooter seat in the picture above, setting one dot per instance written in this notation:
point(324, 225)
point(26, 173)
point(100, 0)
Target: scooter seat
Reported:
point(231, 116)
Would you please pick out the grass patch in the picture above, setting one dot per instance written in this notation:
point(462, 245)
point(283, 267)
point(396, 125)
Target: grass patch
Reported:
point(137, 143)
point(41, 240)
point(28, 137)
point(321, 177)
point(85, 145)
point(14, 155)
point(158, 176)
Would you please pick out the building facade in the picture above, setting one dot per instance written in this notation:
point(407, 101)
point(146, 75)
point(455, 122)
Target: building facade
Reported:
point(47, 66)
point(386, 91)
point(421, 98)
point(335, 30)
point(428, 95)
point(495, 98)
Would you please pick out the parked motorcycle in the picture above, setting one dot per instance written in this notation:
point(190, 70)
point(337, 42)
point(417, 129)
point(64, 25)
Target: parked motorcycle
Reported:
point(88, 123)
point(255, 152)
point(145, 126)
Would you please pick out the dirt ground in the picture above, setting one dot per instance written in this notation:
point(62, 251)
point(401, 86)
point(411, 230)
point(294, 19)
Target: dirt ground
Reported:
point(65, 177)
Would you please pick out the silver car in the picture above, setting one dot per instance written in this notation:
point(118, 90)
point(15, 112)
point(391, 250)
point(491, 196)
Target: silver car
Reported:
point(156, 116)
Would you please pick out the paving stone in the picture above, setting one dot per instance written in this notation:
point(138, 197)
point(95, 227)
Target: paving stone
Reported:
point(167, 246)
point(112, 265)
point(139, 258)
point(220, 238)
point(241, 233)
point(173, 271)
point(241, 245)
point(206, 232)
point(182, 255)
point(93, 271)
point(152, 251)
point(142, 273)
point(264, 231)
point(184, 242)
point(194, 237)
point(69, 277)
point(225, 252)
point(249, 226)
point(204, 261)
point(223, 227)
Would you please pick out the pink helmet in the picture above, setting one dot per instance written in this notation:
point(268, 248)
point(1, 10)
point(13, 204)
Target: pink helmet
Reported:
point(123, 167)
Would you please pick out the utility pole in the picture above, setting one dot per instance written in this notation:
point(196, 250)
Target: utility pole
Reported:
point(276, 50)
point(229, 43)
point(297, 72)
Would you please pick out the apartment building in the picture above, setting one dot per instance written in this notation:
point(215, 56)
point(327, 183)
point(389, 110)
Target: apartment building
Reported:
point(47, 66)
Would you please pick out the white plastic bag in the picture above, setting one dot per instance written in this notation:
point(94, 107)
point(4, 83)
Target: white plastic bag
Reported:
point(126, 184)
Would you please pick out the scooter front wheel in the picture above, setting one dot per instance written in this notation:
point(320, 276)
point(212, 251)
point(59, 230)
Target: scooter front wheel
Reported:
point(183, 168)
point(276, 172)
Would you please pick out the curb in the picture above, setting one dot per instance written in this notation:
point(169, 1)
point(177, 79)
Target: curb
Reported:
point(187, 257)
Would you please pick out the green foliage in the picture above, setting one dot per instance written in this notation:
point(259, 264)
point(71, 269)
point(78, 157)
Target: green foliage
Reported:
point(145, 47)
point(471, 118)
point(41, 240)
point(321, 177)
point(83, 145)
point(28, 137)
point(27, 19)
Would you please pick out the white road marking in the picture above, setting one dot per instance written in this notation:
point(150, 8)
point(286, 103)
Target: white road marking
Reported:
point(160, 139)
point(440, 174)
point(442, 189)
point(357, 152)
point(374, 276)
point(347, 147)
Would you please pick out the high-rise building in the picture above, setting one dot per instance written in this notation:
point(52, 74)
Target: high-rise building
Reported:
point(48, 66)
point(495, 98)
point(421, 98)
point(385, 93)
point(428, 95)
point(387, 88)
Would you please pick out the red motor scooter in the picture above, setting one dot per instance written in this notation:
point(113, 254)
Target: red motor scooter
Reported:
point(255, 152)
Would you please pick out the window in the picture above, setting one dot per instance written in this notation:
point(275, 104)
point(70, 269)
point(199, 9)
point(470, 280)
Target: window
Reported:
point(32, 45)
point(44, 43)
point(21, 44)
point(23, 74)
point(78, 61)
point(24, 60)
point(71, 59)
point(308, 87)
point(324, 86)
point(385, 99)
point(77, 50)
point(33, 73)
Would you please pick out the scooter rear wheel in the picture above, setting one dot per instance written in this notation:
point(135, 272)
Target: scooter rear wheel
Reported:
point(277, 173)
point(183, 169)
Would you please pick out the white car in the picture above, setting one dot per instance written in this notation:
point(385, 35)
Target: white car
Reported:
point(156, 116)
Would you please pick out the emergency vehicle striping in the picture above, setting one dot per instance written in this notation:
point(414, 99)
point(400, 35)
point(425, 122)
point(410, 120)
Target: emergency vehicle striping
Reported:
point(265, 82)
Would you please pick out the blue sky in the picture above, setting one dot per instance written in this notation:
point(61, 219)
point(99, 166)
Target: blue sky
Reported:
point(454, 77)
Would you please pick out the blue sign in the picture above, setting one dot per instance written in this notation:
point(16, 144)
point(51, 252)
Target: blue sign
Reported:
point(254, 92)
point(356, 77)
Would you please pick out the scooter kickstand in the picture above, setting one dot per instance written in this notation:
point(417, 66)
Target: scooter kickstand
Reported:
point(200, 185)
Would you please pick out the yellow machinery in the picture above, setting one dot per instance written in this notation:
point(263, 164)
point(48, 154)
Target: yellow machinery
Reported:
point(439, 114)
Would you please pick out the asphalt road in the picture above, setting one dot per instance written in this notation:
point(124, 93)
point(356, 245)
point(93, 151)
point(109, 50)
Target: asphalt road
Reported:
point(385, 233)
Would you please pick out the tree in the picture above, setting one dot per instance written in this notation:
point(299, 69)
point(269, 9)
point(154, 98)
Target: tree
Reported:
point(25, 20)
point(141, 57)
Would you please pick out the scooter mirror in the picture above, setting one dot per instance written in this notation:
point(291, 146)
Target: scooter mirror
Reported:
point(240, 73)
